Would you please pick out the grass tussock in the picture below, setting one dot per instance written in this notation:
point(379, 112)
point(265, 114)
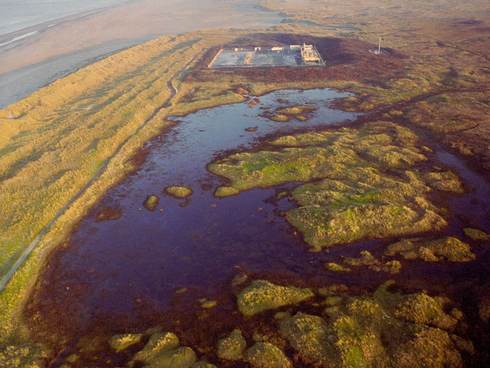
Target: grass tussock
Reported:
point(436, 250)
point(285, 114)
point(178, 191)
point(382, 329)
point(263, 295)
point(365, 259)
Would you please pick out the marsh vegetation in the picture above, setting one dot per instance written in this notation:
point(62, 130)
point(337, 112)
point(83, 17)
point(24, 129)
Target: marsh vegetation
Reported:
point(224, 278)
point(365, 183)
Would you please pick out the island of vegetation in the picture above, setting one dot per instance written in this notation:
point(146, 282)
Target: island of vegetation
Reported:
point(360, 182)
point(178, 191)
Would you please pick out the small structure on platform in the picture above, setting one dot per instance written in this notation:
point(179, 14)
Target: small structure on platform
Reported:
point(309, 54)
point(273, 56)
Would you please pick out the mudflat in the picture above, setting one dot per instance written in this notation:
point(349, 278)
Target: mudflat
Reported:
point(55, 51)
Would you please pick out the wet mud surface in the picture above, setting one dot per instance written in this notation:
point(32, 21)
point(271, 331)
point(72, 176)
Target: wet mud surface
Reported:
point(123, 274)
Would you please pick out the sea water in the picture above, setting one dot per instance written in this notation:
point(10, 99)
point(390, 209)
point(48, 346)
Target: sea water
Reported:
point(16, 15)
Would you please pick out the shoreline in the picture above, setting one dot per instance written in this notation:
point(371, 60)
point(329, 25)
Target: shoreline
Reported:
point(21, 83)
point(59, 19)
point(67, 46)
point(12, 37)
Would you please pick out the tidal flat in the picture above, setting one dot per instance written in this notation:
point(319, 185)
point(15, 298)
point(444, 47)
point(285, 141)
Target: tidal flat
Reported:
point(125, 288)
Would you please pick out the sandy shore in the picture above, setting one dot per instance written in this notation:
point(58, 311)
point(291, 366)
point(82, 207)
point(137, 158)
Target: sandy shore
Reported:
point(60, 49)
point(20, 83)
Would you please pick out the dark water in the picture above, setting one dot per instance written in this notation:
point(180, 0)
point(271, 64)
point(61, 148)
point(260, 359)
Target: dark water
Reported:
point(112, 275)
point(145, 256)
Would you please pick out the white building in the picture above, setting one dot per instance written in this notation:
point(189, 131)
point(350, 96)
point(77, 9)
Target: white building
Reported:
point(309, 54)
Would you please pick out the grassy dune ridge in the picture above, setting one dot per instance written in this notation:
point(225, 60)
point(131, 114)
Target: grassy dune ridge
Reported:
point(59, 137)
point(71, 141)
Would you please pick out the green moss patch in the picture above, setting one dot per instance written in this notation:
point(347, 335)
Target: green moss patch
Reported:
point(476, 234)
point(203, 365)
point(444, 181)
point(368, 182)
point(280, 118)
point(226, 192)
point(484, 304)
point(19, 355)
point(158, 342)
point(267, 355)
point(296, 109)
point(182, 357)
point(124, 341)
point(208, 304)
point(163, 351)
point(447, 248)
point(263, 295)
point(108, 214)
point(336, 267)
point(420, 308)
point(366, 259)
point(285, 114)
point(335, 212)
point(309, 336)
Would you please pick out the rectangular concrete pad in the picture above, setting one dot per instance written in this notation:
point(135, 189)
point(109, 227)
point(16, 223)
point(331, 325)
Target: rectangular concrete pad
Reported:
point(265, 57)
